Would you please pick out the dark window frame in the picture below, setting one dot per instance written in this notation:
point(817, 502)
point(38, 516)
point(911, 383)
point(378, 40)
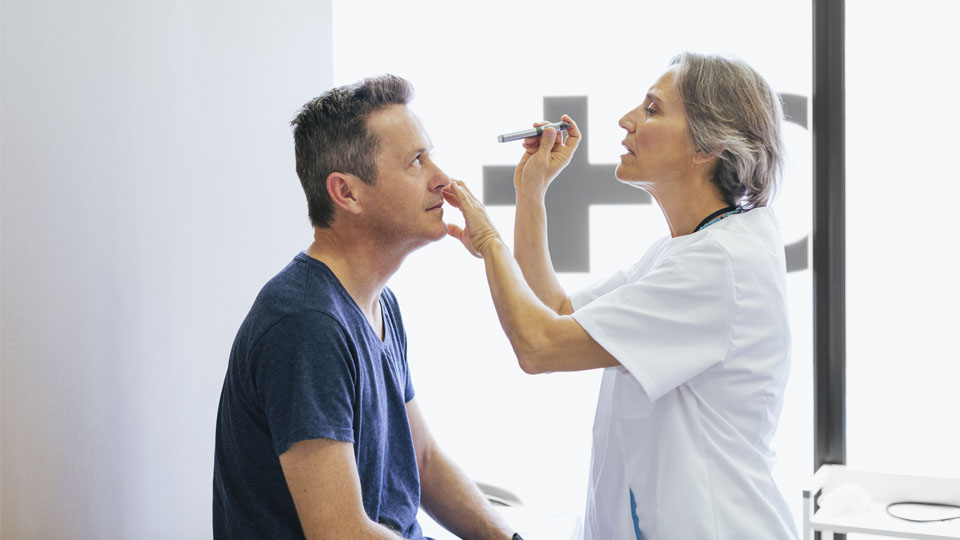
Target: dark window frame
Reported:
point(829, 235)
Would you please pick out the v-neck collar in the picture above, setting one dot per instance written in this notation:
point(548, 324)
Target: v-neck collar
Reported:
point(384, 318)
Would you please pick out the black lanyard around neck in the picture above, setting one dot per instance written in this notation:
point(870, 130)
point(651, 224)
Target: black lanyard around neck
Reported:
point(717, 216)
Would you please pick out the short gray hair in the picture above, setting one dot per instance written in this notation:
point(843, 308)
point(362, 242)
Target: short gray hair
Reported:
point(330, 134)
point(733, 112)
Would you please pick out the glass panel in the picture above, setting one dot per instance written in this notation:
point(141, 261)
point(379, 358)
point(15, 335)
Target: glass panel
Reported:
point(902, 289)
point(482, 69)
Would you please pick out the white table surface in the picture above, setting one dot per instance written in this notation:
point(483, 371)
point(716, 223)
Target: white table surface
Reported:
point(531, 524)
point(882, 489)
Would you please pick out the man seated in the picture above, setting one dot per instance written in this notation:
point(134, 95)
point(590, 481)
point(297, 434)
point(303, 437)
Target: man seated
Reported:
point(318, 433)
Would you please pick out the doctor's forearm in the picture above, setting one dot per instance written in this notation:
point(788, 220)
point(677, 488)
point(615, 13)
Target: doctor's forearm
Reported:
point(542, 340)
point(524, 318)
point(532, 252)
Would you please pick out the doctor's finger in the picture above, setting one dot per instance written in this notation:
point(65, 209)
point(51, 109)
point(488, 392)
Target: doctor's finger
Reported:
point(467, 198)
point(548, 140)
point(460, 192)
point(535, 140)
point(464, 195)
point(450, 197)
point(573, 133)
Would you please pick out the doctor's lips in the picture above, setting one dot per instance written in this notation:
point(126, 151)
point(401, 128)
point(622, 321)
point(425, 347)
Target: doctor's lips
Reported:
point(627, 148)
point(434, 207)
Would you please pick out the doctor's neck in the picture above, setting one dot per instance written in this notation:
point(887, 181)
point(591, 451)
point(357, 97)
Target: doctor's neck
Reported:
point(685, 205)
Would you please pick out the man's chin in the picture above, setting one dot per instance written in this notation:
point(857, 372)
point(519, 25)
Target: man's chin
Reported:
point(434, 234)
point(430, 233)
point(440, 233)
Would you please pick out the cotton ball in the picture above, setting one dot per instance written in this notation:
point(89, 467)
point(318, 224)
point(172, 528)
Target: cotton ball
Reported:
point(845, 499)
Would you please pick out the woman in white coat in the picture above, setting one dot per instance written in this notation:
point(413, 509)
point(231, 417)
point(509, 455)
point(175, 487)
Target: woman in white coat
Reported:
point(693, 338)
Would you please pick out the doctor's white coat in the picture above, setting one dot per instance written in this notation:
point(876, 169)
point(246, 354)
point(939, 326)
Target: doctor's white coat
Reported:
point(681, 438)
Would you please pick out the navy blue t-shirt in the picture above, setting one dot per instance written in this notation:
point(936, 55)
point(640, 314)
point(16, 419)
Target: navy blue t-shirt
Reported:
point(306, 364)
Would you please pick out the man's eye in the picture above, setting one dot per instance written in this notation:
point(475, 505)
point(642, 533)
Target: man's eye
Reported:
point(416, 161)
point(650, 110)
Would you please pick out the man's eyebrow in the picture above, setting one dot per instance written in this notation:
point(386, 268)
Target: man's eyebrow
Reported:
point(424, 149)
point(414, 152)
point(653, 97)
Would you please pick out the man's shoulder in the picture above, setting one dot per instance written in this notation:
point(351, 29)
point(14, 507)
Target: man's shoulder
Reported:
point(304, 285)
point(299, 297)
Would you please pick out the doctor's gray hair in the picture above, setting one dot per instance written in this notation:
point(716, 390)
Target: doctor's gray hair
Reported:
point(734, 114)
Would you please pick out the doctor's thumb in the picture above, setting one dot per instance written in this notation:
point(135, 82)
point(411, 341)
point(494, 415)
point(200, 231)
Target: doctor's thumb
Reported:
point(547, 141)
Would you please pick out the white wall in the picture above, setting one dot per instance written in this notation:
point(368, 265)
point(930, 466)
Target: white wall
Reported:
point(148, 191)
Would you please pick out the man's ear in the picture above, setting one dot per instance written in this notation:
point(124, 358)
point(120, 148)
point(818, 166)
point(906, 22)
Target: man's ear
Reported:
point(343, 190)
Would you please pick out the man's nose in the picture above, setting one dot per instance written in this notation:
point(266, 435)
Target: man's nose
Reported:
point(439, 180)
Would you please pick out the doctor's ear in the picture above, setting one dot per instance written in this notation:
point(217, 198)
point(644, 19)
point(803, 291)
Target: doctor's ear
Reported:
point(704, 157)
point(343, 190)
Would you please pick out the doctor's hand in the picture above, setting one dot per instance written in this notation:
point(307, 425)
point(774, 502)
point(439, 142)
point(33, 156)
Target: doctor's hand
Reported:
point(544, 157)
point(477, 234)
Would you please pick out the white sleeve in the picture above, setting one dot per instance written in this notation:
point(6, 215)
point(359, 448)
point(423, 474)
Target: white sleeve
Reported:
point(672, 324)
point(598, 289)
point(619, 279)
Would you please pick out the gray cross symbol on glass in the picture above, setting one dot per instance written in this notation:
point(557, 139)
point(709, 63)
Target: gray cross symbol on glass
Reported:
point(571, 193)
point(583, 184)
